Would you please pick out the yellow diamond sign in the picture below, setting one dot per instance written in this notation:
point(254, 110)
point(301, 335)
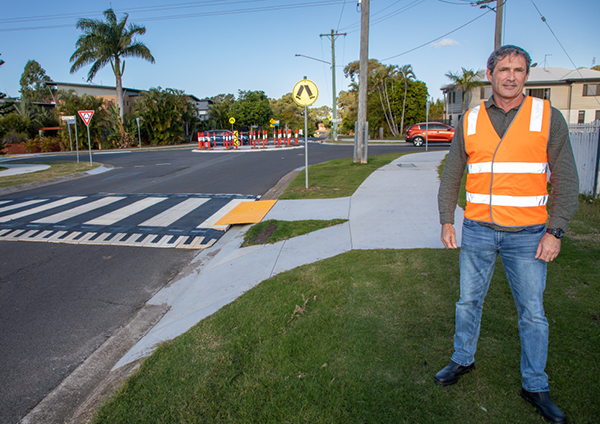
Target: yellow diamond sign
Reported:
point(305, 93)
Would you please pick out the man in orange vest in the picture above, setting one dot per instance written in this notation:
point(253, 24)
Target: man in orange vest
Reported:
point(508, 143)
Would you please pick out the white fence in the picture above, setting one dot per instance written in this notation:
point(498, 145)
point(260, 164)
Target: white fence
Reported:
point(585, 139)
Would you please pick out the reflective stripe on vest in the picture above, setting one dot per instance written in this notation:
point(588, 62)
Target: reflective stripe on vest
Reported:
point(508, 167)
point(506, 181)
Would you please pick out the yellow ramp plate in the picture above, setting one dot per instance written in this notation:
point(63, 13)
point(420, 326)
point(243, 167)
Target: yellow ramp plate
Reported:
point(247, 213)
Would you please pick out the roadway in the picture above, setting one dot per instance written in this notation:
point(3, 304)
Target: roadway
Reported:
point(59, 302)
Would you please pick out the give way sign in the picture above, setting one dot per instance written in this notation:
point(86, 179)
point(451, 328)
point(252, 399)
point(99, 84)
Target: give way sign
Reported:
point(86, 115)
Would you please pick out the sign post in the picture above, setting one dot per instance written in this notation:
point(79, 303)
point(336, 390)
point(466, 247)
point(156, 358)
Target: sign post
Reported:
point(232, 121)
point(70, 120)
point(305, 93)
point(427, 126)
point(139, 135)
point(86, 116)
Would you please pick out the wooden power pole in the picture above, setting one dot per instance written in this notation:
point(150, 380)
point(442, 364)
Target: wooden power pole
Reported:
point(362, 126)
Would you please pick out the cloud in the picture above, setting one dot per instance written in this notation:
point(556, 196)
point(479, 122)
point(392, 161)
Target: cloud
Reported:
point(445, 43)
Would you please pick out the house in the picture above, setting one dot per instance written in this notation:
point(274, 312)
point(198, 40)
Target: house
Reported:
point(576, 93)
point(202, 107)
point(109, 94)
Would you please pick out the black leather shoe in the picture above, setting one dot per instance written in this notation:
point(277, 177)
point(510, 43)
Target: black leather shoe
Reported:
point(544, 406)
point(451, 373)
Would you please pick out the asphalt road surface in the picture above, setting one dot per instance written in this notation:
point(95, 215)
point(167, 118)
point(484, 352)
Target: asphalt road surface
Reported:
point(59, 302)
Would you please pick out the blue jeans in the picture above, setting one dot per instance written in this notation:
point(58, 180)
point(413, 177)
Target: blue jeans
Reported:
point(527, 279)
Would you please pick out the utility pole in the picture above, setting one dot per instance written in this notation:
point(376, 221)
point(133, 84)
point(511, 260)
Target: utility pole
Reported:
point(498, 32)
point(362, 126)
point(483, 4)
point(333, 36)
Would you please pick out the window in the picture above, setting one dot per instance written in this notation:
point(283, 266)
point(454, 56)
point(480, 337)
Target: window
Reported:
point(581, 118)
point(540, 93)
point(598, 115)
point(591, 89)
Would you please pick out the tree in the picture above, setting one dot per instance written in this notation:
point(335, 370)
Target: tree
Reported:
point(221, 110)
point(348, 108)
point(252, 108)
point(33, 84)
point(436, 110)
point(68, 103)
point(109, 42)
point(407, 74)
point(465, 81)
point(164, 114)
point(287, 112)
point(596, 68)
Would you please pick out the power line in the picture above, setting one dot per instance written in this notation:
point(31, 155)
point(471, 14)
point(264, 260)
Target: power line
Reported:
point(562, 47)
point(341, 14)
point(203, 14)
point(129, 10)
point(388, 16)
point(442, 36)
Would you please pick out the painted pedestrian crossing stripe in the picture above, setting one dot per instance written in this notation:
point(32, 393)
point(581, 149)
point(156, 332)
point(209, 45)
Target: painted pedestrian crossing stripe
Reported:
point(184, 221)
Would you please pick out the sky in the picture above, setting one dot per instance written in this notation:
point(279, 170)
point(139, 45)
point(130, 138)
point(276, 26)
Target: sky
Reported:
point(210, 47)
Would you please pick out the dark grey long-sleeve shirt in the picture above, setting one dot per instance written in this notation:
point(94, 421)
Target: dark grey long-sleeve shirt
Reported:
point(563, 177)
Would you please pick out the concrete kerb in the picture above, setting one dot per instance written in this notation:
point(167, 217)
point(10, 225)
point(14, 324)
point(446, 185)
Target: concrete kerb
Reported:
point(37, 184)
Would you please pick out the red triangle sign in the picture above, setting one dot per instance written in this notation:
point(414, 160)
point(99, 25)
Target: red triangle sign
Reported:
point(86, 115)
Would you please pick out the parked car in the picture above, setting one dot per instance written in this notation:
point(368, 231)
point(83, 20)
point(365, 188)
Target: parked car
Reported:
point(217, 135)
point(436, 133)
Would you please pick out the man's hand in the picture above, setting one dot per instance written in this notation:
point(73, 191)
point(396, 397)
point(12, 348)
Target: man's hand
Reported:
point(449, 236)
point(548, 249)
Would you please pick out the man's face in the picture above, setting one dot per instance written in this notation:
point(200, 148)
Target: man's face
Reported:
point(508, 78)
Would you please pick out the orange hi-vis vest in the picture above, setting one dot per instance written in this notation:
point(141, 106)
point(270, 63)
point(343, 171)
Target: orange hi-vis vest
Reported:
point(507, 178)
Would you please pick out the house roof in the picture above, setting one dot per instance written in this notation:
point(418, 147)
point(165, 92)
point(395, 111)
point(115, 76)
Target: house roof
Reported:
point(89, 86)
point(548, 75)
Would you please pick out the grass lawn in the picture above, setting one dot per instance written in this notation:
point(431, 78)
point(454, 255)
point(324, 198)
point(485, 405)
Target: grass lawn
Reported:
point(357, 339)
point(57, 169)
point(336, 178)
point(272, 231)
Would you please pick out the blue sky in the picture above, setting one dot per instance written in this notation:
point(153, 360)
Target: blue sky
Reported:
point(221, 46)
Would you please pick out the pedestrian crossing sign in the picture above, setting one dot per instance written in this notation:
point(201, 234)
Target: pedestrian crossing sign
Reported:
point(86, 115)
point(305, 93)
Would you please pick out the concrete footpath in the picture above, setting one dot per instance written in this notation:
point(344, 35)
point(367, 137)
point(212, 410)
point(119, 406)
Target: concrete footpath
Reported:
point(394, 208)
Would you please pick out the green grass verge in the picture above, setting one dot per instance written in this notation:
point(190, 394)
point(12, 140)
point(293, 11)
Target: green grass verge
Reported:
point(336, 178)
point(357, 338)
point(57, 169)
point(272, 231)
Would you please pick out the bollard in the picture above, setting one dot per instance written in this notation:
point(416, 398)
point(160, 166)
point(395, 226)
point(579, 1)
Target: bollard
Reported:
point(296, 136)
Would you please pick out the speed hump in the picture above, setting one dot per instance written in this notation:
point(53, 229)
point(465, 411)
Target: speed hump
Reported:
point(305, 93)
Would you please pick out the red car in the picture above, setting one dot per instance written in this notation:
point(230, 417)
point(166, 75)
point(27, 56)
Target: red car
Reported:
point(436, 131)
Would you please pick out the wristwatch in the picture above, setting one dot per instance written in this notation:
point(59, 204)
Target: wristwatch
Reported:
point(556, 232)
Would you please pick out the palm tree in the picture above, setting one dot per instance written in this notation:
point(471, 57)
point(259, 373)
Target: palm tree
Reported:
point(407, 75)
point(380, 78)
point(108, 42)
point(466, 81)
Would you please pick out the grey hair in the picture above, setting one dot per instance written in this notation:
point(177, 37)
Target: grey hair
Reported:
point(508, 50)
